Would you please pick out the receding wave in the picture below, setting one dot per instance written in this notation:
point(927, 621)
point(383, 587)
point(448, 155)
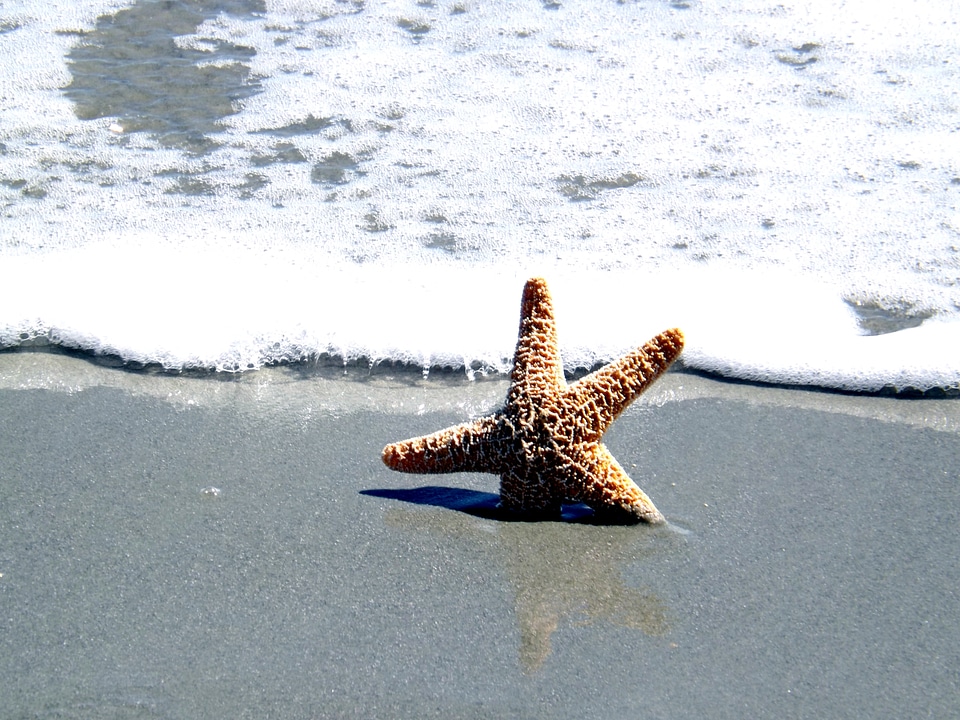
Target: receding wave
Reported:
point(223, 186)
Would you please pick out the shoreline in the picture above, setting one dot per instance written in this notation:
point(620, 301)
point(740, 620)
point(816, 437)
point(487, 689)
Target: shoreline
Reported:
point(333, 366)
point(397, 389)
point(808, 562)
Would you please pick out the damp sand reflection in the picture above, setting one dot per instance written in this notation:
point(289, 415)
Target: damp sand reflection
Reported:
point(562, 574)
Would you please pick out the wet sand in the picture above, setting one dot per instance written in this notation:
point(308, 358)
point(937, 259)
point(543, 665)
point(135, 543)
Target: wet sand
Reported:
point(808, 569)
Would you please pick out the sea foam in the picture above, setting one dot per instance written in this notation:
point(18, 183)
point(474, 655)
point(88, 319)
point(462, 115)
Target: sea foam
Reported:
point(382, 178)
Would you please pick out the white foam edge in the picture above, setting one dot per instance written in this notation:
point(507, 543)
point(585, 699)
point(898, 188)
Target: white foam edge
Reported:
point(227, 308)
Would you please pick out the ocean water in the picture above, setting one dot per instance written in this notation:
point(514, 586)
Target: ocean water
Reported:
point(224, 184)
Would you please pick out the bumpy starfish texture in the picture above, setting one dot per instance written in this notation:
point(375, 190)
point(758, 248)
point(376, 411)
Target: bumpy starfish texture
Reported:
point(545, 444)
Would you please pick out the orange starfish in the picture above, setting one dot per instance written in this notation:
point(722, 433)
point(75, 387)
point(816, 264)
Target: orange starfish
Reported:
point(545, 444)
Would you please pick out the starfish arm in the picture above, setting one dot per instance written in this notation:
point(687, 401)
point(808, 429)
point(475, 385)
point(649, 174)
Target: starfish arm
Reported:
point(469, 447)
point(598, 480)
point(602, 396)
point(537, 369)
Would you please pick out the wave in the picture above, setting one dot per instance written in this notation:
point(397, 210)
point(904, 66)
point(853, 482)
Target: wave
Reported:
point(223, 187)
point(226, 310)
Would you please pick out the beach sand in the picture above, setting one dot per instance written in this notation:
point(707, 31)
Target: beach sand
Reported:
point(809, 567)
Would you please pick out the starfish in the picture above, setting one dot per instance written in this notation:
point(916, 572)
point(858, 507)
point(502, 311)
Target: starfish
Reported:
point(545, 444)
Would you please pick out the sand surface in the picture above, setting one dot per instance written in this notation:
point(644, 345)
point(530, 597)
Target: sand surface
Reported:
point(809, 568)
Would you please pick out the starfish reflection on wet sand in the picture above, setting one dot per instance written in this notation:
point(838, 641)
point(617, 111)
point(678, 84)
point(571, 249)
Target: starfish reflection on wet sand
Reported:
point(545, 444)
point(563, 579)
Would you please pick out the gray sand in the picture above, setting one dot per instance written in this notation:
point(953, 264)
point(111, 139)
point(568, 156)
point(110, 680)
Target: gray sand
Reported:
point(809, 568)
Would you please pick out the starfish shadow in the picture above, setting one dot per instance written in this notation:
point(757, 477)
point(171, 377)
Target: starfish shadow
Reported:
point(482, 504)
